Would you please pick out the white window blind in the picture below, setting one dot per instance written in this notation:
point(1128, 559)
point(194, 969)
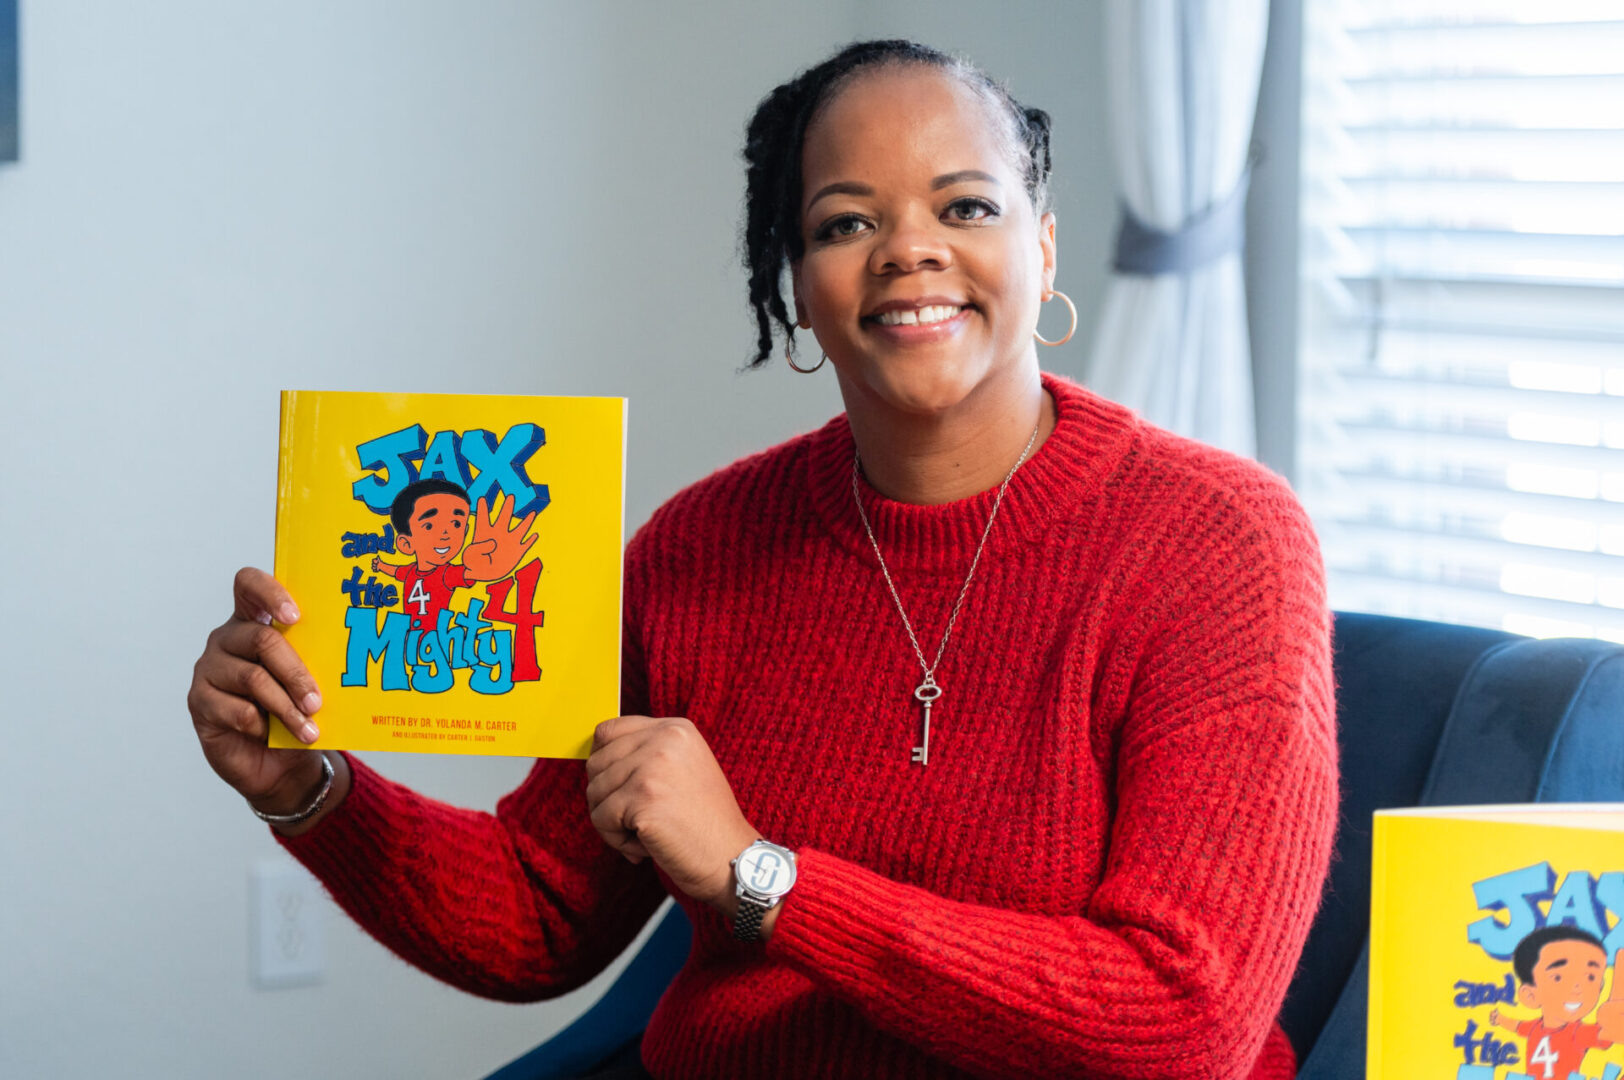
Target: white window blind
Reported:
point(1462, 406)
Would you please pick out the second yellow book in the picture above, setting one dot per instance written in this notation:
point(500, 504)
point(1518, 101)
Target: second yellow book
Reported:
point(1494, 936)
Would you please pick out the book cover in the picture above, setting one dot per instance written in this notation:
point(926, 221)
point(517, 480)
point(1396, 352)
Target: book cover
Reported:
point(456, 561)
point(1494, 937)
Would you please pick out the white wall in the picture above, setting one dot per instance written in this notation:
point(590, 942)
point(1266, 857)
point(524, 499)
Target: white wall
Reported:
point(219, 200)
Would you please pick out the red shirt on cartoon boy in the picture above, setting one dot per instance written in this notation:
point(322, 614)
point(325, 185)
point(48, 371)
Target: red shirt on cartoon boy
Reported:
point(1557, 1052)
point(426, 593)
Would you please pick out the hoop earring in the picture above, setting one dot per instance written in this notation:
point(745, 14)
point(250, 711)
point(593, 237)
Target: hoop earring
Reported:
point(789, 358)
point(1069, 332)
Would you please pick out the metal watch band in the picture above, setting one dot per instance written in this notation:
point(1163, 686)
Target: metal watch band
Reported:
point(315, 804)
point(747, 920)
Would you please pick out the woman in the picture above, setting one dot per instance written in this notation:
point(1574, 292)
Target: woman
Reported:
point(1029, 702)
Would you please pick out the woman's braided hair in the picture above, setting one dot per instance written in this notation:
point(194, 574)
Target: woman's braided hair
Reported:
point(772, 153)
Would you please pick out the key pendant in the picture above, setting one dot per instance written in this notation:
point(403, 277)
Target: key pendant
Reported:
point(927, 693)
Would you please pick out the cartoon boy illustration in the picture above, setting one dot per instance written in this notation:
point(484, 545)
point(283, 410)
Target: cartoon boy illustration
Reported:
point(1560, 969)
point(431, 522)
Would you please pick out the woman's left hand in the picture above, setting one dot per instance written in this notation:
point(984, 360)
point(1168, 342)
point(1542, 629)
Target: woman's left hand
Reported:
point(655, 791)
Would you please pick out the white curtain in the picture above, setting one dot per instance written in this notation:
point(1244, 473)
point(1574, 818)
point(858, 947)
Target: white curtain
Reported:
point(1173, 345)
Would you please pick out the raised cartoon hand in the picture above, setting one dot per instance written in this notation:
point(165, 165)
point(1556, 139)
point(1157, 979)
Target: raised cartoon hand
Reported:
point(377, 564)
point(249, 670)
point(495, 548)
point(1610, 1017)
point(656, 791)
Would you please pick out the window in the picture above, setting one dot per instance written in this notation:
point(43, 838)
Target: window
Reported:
point(1462, 406)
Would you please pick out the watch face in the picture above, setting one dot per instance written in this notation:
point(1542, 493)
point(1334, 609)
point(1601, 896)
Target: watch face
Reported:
point(766, 870)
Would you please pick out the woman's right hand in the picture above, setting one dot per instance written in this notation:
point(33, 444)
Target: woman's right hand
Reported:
point(247, 673)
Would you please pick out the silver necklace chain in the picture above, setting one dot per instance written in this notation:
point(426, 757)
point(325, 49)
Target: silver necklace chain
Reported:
point(928, 690)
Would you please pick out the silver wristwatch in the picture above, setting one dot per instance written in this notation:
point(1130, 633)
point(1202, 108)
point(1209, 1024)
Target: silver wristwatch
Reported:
point(764, 873)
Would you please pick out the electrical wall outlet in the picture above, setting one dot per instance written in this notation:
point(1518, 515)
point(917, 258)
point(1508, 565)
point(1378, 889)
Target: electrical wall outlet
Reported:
point(286, 926)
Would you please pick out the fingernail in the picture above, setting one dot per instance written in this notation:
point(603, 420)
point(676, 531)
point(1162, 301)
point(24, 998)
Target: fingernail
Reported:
point(288, 613)
point(312, 702)
point(263, 617)
point(309, 733)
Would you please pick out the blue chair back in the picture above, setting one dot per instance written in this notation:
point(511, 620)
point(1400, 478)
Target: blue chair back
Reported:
point(1431, 714)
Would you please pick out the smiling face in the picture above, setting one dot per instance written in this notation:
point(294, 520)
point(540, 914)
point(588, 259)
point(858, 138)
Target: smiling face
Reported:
point(925, 261)
point(1567, 981)
point(439, 525)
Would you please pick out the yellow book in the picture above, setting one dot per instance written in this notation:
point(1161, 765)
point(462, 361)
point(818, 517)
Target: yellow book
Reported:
point(456, 562)
point(1494, 932)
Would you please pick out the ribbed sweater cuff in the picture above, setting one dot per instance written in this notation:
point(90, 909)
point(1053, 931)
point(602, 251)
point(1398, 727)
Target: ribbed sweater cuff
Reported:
point(836, 917)
point(349, 837)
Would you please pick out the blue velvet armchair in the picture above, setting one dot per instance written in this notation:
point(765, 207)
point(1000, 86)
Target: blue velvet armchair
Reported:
point(1429, 715)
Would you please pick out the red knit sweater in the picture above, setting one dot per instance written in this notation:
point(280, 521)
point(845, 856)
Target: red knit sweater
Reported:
point(1107, 869)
